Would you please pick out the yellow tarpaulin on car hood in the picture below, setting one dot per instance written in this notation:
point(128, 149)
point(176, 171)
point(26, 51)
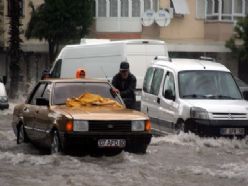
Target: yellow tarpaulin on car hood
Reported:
point(89, 99)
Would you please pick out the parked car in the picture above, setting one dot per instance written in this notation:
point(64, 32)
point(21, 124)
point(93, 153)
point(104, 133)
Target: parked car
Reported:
point(242, 85)
point(47, 121)
point(3, 97)
point(194, 95)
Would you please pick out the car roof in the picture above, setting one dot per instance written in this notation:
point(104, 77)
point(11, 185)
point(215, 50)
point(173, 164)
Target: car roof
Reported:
point(190, 64)
point(70, 80)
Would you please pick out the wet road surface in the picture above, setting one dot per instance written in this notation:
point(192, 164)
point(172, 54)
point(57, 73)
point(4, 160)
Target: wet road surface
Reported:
point(183, 159)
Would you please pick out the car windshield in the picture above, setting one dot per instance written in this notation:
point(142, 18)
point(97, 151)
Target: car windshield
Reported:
point(65, 90)
point(207, 85)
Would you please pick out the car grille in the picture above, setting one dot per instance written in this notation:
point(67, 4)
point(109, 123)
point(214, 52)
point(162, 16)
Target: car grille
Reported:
point(229, 116)
point(110, 126)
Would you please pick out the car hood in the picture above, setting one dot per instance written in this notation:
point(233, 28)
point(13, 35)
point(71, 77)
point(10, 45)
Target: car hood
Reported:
point(220, 106)
point(100, 113)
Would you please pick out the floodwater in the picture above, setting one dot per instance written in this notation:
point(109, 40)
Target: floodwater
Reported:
point(184, 159)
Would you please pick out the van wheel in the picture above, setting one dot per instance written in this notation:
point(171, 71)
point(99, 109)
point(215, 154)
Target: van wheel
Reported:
point(21, 135)
point(181, 127)
point(55, 146)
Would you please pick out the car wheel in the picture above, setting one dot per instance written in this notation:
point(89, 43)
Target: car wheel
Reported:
point(55, 146)
point(21, 135)
point(181, 127)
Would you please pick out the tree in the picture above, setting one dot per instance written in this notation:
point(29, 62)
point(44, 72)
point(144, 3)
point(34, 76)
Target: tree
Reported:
point(59, 22)
point(239, 41)
point(14, 51)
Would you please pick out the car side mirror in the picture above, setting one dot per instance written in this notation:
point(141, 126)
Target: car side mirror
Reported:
point(42, 102)
point(245, 95)
point(169, 95)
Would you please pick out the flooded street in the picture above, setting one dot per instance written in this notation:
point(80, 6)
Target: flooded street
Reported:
point(185, 159)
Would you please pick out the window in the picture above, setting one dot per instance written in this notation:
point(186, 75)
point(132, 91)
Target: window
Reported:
point(156, 81)
point(227, 6)
point(57, 69)
point(47, 91)
point(124, 8)
point(10, 7)
point(246, 7)
point(148, 80)
point(210, 7)
point(169, 84)
point(216, 6)
point(200, 9)
point(238, 6)
point(135, 8)
point(180, 6)
point(102, 8)
point(155, 5)
point(37, 93)
point(113, 8)
point(147, 5)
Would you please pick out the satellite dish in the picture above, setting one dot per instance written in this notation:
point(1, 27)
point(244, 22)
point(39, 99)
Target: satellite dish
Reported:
point(148, 18)
point(163, 18)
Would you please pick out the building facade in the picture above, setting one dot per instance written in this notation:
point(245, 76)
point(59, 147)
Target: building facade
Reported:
point(197, 27)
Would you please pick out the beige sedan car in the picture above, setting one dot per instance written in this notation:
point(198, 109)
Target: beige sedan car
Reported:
point(46, 119)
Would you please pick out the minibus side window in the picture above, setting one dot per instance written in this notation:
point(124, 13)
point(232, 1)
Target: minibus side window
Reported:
point(57, 69)
point(156, 82)
point(148, 80)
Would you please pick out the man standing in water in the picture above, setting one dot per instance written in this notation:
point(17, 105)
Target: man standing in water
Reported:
point(125, 84)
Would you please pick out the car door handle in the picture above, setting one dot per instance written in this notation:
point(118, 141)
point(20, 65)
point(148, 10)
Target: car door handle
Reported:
point(158, 100)
point(25, 109)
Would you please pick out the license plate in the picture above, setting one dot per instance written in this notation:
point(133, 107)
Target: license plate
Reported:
point(120, 143)
point(232, 131)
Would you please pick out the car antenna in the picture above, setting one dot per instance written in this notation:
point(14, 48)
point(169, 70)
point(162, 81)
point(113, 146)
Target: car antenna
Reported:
point(105, 74)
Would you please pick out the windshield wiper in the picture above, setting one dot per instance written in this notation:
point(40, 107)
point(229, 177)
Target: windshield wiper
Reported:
point(194, 96)
point(221, 97)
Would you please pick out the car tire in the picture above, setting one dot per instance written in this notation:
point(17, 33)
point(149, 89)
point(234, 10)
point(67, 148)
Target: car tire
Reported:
point(55, 146)
point(181, 127)
point(21, 135)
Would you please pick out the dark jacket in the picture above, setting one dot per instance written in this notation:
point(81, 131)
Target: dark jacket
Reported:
point(127, 88)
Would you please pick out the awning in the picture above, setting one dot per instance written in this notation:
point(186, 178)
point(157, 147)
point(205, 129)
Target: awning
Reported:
point(180, 6)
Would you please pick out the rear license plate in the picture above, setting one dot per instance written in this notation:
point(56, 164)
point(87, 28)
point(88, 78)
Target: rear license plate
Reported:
point(232, 131)
point(120, 143)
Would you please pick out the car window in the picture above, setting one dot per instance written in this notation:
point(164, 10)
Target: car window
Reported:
point(56, 72)
point(207, 85)
point(169, 84)
point(148, 80)
point(37, 93)
point(156, 81)
point(47, 91)
point(65, 90)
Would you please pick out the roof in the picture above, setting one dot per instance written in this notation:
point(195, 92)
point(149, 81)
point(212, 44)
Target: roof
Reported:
point(190, 64)
point(68, 80)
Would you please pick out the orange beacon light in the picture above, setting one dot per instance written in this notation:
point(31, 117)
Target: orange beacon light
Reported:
point(80, 73)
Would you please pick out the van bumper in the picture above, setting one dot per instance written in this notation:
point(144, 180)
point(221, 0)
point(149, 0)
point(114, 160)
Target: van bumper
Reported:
point(214, 127)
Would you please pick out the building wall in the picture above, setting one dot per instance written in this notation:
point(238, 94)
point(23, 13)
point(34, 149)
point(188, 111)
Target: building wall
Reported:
point(185, 27)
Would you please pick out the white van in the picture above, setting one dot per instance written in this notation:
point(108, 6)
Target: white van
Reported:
point(3, 97)
point(101, 58)
point(194, 95)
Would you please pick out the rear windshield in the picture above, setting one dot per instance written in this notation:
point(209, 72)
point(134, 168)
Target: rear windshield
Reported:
point(2, 90)
point(65, 90)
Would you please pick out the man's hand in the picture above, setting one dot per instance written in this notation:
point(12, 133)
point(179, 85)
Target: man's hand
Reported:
point(115, 90)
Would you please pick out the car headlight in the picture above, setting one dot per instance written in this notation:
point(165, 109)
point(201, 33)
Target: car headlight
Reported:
point(80, 126)
point(198, 113)
point(138, 125)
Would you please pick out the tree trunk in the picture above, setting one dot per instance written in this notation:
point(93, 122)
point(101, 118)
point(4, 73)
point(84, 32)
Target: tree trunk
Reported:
point(51, 46)
point(14, 47)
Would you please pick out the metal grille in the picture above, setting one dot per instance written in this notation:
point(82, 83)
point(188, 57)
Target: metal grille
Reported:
point(110, 126)
point(231, 116)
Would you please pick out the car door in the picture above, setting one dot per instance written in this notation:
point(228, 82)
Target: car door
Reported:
point(151, 99)
point(29, 109)
point(168, 105)
point(43, 122)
